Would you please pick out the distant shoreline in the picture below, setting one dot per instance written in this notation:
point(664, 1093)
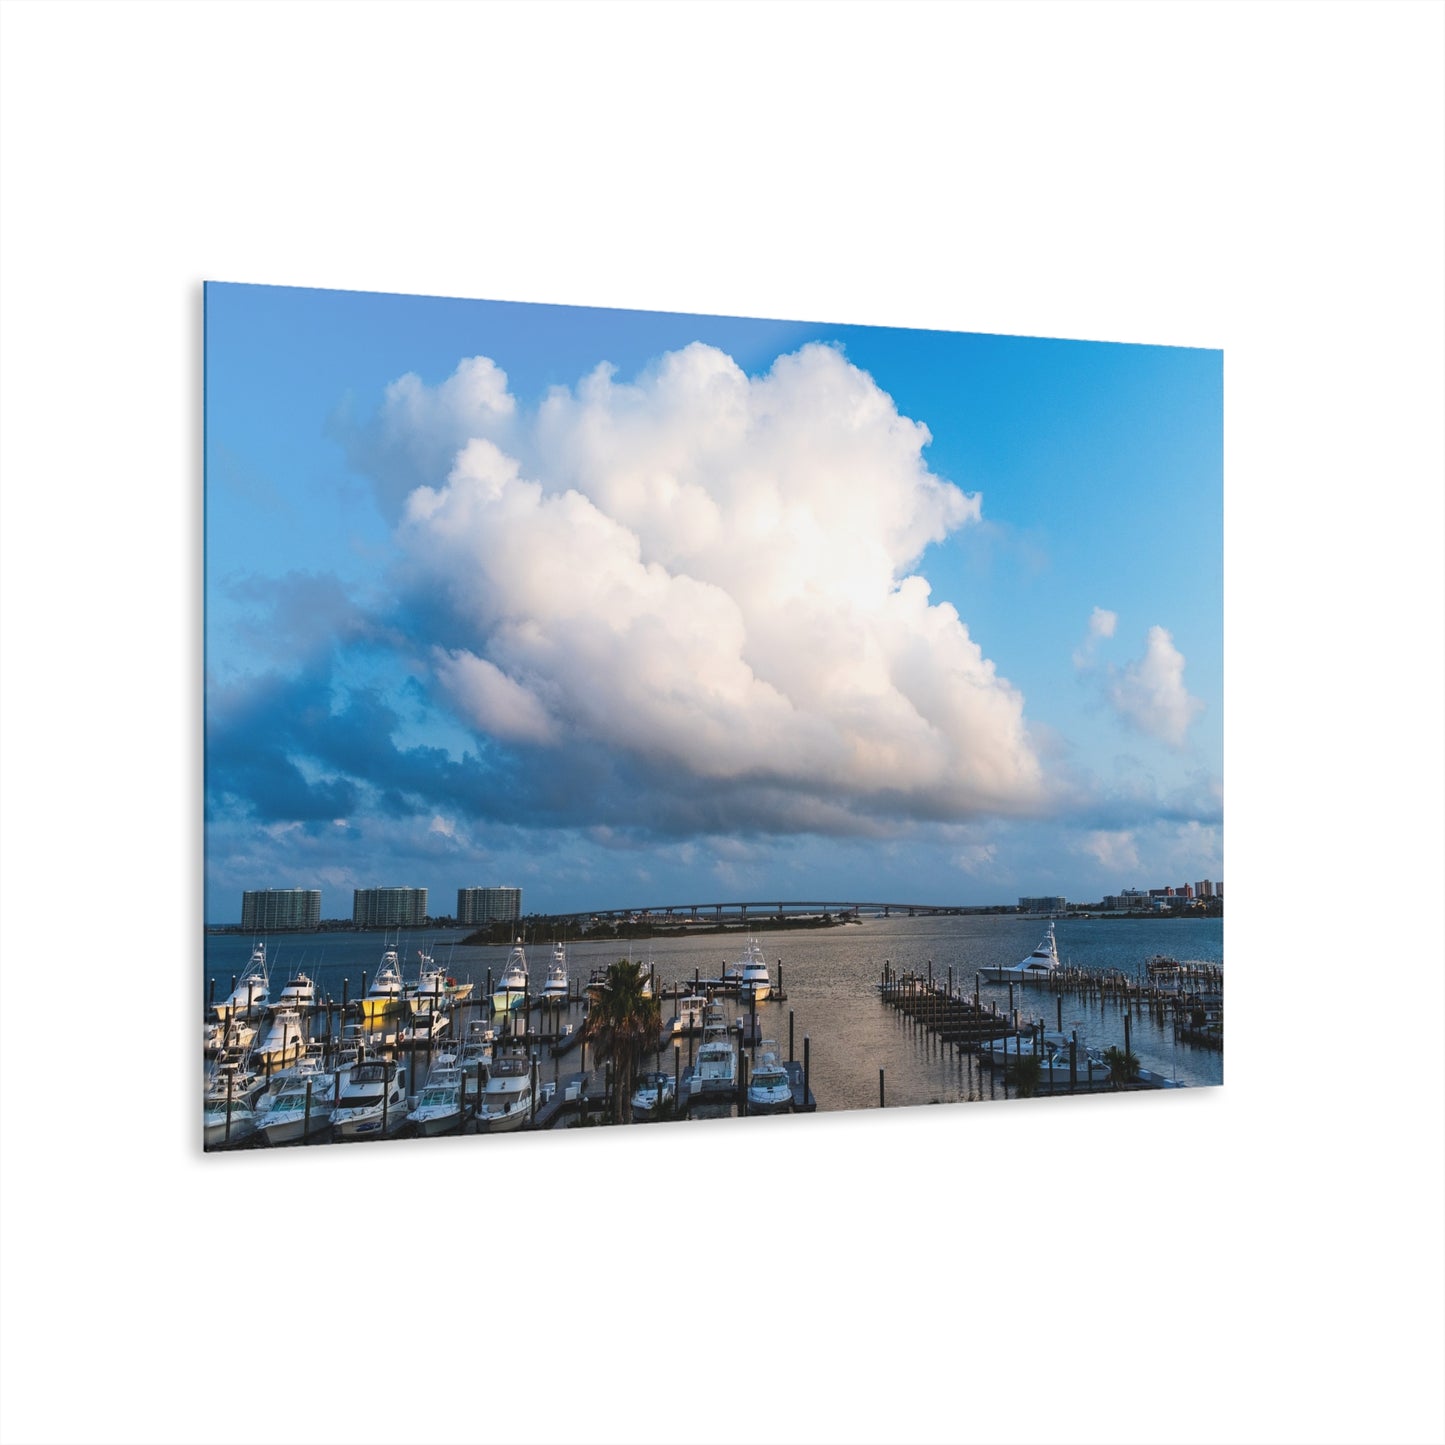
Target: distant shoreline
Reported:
point(564, 925)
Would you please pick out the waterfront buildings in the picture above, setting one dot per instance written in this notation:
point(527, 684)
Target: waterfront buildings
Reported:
point(1043, 905)
point(487, 905)
point(389, 907)
point(270, 910)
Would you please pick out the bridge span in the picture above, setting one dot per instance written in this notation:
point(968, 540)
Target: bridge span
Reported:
point(762, 910)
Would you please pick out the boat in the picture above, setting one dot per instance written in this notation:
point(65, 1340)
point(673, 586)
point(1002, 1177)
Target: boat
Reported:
point(227, 1122)
point(372, 1101)
point(299, 993)
point(1041, 965)
point(291, 1117)
point(387, 989)
point(691, 1010)
point(651, 1093)
point(475, 1057)
point(235, 1034)
point(752, 972)
point(554, 991)
point(770, 1090)
point(716, 1068)
point(511, 992)
point(285, 1040)
point(1003, 1051)
point(425, 1029)
point(252, 992)
point(440, 1105)
point(507, 1098)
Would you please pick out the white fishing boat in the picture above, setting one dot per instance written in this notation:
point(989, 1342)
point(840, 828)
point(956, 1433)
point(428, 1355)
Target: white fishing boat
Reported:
point(252, 993)
point(299, 993)
point(770, 1090)
point(284, 1042)
point(511, 991)
point(691, 1011)
point(292, 1118)
point(554, 990)
point(652, 1092)
point(372, 1101)
point(752, 972)
point(234, 1076)
point(716, 1068)
point(387, 989)
point(234, 1035)
point(1003, 1051)
point(1040, 966)
point(227, 1121)
point(507, 1098)
point(439, 1106)
point(426, 1028)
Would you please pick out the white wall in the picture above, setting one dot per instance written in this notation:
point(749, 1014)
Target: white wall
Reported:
point(1265, 179)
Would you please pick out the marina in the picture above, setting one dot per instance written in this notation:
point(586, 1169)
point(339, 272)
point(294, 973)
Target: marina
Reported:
point(876, 1015)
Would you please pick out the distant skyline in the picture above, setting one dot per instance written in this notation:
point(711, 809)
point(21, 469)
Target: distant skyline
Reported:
point(625, 607)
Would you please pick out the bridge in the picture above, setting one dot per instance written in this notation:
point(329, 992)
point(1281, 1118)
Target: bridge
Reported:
point(764, 910)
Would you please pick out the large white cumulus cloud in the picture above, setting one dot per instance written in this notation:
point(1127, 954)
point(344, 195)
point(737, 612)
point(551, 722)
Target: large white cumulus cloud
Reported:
point(710, 573)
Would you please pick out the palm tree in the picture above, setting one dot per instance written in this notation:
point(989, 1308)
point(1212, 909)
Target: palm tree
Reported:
point(1024, 1071)
point(622, 1023)
point(1122, 1066)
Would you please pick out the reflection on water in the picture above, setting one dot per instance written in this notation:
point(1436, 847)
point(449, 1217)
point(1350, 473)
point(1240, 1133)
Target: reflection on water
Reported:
point(830, 977)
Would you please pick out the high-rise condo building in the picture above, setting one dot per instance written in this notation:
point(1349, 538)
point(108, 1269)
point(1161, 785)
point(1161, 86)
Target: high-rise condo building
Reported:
point(485, 905)
point(269, 910)
point(389, 907)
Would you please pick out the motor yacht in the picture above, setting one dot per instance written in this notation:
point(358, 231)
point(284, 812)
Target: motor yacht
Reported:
point(440, 1105)
point(507, 1098)
point(554, 990)
point(770, 1090)
point(752, 972)
point(292, 1117)
point(511, 991)
point(716, 1068)
point(299, 993)
point(284, 1042)
point(1040, 966)
point(252, 993)
point(387, 989)
point(372, 1101)
point(652, 1092)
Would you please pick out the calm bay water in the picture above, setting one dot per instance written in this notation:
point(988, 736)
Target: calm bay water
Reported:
point(830, 977)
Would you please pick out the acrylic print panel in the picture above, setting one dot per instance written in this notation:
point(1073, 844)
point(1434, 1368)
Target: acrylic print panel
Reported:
point(618, 716)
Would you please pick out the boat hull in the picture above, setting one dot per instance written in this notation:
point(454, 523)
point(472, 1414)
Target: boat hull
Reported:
point(438, 1123)
point(243, 1125)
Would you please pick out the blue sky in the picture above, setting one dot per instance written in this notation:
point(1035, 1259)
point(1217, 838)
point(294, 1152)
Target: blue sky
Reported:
point(649, 635)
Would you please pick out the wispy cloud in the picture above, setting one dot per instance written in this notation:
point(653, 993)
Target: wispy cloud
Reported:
point(1102, 624)
point(1150, 694)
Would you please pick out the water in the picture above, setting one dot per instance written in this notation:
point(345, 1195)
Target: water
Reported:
point(830, 977)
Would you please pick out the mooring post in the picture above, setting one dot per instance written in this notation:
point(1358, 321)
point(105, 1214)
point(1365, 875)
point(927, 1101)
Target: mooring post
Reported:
point(790, 1036)
point(1126, 1031)
point(1073, 1060)
point(211, 996)
point(743, 1087)
point(1061, 1013)
point(676, 1075)
point(306, 1118)
point(230, 1088)
point(533, 1118)
point(363, 983)
point(880, 1088)
point(806, 1063)
point(345, 994)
